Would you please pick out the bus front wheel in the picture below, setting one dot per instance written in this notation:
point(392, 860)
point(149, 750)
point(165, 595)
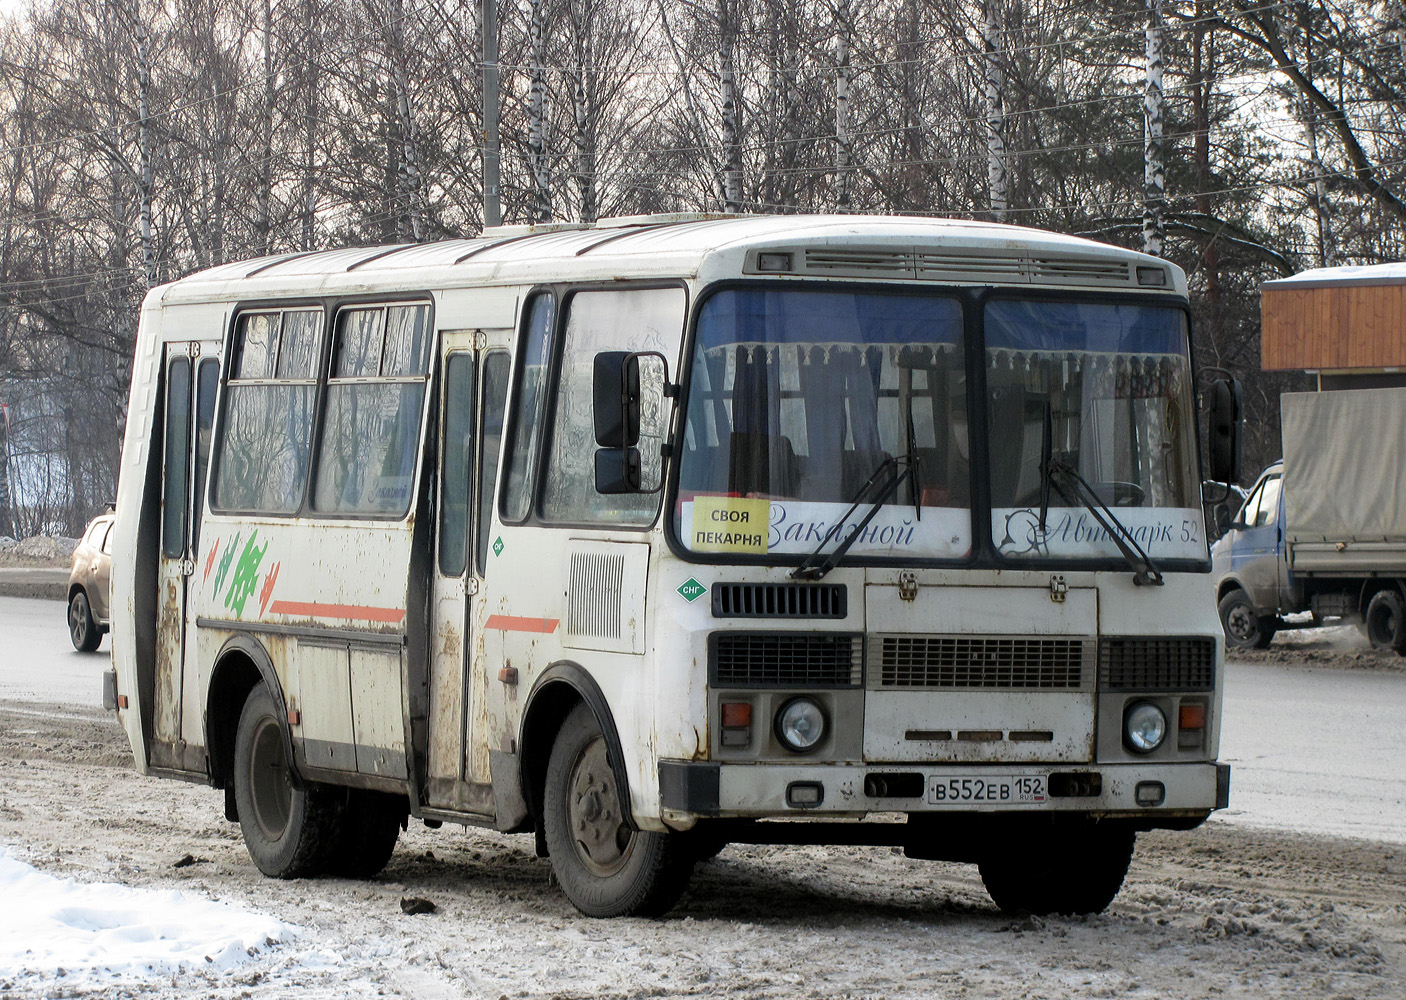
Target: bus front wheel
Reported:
point(1072, 871)
point(605, 868)
point(289, 832)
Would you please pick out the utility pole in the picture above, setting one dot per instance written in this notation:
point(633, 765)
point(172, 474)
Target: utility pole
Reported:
point(492, 205)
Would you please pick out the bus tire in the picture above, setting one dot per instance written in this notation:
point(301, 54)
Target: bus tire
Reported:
point(1074, 871)
point(289, 832)
point(1244, 627)
point(365, 839)
point(605, 868)
point(1386, 621)
point(83, 631)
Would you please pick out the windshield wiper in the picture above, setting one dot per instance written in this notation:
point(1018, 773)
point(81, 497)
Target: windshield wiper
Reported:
point(812, 567)
point(1145, 571)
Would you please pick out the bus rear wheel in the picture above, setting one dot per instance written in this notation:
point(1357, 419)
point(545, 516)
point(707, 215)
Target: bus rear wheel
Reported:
point(606, 868)
point(289, 832)
point(1071, 871)
point(366, 837)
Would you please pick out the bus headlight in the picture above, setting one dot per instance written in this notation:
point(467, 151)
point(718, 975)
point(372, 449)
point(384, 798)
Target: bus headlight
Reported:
point(800, 724)
point(1144, 727)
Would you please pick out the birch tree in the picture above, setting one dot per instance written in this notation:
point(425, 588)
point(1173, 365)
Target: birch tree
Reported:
point(1154, 157)
point(994, 76)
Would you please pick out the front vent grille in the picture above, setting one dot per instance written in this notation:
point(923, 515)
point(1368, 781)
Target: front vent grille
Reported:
point(1160, 663)
point(785, 659)
point(968, 662)
point(779, 600)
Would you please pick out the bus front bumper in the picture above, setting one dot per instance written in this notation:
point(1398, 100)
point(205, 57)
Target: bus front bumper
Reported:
point(1168, 791)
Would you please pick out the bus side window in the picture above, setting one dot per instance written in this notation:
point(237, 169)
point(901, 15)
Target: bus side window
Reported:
point(207, 380)
point(375, 399)
point(528, 403)
point(266, 431)
point(458, 462)
point(640, 319)
point(495, 394)
point(175, 497)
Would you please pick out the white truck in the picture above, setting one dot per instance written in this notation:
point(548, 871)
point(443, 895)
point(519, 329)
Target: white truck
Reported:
point(1324, 530)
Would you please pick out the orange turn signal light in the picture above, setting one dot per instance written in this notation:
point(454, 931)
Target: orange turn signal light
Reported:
point(737, 714)
point(1191, 717)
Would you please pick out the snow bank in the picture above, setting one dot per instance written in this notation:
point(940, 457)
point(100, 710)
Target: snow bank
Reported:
point(98, 932)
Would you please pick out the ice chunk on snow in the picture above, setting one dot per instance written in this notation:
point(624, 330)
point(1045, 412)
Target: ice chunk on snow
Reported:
point(106, 929)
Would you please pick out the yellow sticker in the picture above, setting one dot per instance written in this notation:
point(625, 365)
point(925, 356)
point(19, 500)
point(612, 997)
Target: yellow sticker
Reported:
point(730, 524)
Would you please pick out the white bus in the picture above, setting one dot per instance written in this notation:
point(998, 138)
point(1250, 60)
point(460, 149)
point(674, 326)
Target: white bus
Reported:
point(669, 533)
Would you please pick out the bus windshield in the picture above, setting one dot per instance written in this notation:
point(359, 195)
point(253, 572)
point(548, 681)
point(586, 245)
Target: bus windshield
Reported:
point(1103, 391)
point(798, 397)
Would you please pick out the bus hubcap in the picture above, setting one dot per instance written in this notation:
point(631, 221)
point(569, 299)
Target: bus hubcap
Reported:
point(270, 786)
point(603, 841)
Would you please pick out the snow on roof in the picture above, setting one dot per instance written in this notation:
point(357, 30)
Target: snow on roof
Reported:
point(1325, 277)
point(99, 934)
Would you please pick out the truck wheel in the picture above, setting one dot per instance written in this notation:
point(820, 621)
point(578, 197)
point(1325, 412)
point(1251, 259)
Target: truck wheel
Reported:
point(289, 832)
point(82, 630)
point(365, 839)
point(1244, 628)
point(605, 868)
point(1386, 621)
point(1071, 872)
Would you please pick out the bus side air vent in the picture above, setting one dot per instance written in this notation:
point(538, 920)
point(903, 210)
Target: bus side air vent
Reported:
point(1157, 663)
point(593, 605)
point(785, 659)
point(779, 600)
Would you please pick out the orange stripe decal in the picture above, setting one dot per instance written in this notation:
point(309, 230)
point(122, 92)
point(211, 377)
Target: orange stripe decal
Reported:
point(511, 623)
point(355, 612)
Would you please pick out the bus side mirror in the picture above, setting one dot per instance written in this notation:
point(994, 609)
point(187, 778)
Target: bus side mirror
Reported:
point(628, 390)
point(1227, 422)
point(618, 470)
point(616, 399)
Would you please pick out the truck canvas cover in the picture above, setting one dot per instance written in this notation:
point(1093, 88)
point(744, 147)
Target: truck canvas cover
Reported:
point(1345, 479)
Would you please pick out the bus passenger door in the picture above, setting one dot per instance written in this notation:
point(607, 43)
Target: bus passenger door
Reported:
point(192, 378)
point(473, 388)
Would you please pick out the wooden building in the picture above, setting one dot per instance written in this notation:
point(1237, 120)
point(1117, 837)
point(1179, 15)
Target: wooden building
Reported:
point(1345, 324)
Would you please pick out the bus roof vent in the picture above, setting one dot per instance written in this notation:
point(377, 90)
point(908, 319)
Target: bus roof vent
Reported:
point(1080, 272)
point(879, 262)
point(966, 267)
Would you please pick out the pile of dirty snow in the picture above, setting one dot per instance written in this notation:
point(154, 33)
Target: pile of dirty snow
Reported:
point(37, 550)
point(90, 934)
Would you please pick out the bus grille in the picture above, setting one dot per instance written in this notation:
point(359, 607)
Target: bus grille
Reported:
point(1157, 663)
point(785, 659)
point(938, 661)
point(778, 600)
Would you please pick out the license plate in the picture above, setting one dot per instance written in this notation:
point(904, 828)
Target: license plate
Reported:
point(972, 789)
